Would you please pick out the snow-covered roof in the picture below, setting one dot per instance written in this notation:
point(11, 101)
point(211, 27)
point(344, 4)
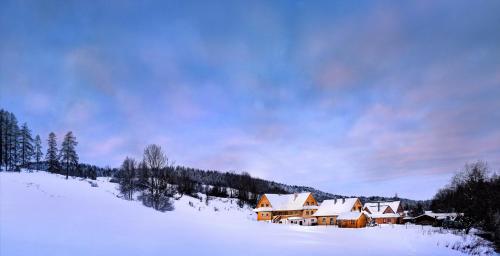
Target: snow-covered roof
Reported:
point(349, 216)
point(287, 202)
point(394, 205)
point(440, 216)
point(335, 207)
point(376, 209)
point(376, 212)
point(384, 215)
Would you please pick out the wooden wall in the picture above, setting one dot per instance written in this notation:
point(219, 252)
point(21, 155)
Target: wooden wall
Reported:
point(359, 223)
point(327, 220)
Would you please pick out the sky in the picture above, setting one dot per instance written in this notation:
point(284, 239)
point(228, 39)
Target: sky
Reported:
point(350, 97)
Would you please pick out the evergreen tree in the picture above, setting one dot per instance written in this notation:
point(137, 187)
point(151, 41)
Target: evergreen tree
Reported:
point(3, 129)
point(26, 145)
point(8, 139)
point(51, 156)
point(68, 156)
point(38, 151)
point(13, 143)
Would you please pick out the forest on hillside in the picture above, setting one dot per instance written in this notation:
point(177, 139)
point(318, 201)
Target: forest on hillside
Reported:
point(19, 148)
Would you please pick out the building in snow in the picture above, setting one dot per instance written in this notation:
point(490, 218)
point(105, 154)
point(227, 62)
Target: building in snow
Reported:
point(384, 212)
point(353, 219)
point(329, 210)
point(431, 218)
point(297, 208)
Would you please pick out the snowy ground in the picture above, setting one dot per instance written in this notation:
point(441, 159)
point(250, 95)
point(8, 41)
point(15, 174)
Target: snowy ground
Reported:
point(44, 214)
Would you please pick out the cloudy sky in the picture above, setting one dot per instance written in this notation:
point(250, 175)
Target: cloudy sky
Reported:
point(352, 97)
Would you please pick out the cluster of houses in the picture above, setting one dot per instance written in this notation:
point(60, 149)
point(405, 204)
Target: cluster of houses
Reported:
point(303, 209)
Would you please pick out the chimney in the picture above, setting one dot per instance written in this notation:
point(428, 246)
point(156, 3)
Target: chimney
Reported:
point(343, 199)
point(378, 206)
point(295, 195)
point(335, 200)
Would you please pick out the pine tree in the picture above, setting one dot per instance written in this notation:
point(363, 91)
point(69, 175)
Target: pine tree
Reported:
point(26, 145)
point(51, 156)
point(68, 156)
point(38, 151)
point(5, 138)
point(2, 136)
point(13, 143)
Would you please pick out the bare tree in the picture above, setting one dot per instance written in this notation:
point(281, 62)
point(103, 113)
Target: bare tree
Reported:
point(155, 177)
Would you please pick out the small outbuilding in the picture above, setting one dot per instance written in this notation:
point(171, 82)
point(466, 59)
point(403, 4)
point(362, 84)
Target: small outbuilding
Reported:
point(435, 219)
point(352, 220)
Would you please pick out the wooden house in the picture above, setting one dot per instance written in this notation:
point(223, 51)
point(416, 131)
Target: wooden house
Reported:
point(329, 210)
point(384, 213)
point(352, 220)
point(295, 208)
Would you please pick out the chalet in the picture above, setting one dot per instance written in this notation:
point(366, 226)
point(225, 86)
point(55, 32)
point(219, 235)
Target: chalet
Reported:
point(329, 210)
point(384, 212)
point(352, 219)
point(297, 208)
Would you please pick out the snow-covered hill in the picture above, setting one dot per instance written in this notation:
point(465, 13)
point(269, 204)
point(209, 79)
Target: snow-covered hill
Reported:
point(44, 214)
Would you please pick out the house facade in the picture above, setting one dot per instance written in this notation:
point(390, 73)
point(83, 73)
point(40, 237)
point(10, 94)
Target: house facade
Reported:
point(384, 212)
point(352, 220)
point(329, 210)
point(297, 208)
point(303, 209)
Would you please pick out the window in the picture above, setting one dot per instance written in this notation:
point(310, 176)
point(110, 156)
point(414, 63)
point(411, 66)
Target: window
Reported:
point(324, 219)
point(267, 205)
point(307, 203)
point(267, 214)
point(261, 205)
point(307, 212)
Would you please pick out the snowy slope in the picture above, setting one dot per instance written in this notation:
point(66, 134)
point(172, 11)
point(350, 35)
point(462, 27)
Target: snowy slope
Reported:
point(44, 214)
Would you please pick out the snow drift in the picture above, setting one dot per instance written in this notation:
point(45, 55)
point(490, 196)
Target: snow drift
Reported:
point(45, 214)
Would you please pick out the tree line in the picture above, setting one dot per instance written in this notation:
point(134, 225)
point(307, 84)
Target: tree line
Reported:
point(18, 149)
point(190, 181)
point(157, 180)
point(475, 192)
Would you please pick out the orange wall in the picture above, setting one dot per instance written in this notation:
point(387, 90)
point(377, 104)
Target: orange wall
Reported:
point(310, 199)
point(359, 223)
point(263, 202)
point(387, 220)
point(327, 220)
point(264, 215)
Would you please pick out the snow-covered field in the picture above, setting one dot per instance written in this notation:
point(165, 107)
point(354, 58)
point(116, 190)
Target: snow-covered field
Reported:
point(44, 214)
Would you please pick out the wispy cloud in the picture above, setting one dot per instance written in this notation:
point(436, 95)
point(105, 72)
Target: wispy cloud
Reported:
point(352, 98)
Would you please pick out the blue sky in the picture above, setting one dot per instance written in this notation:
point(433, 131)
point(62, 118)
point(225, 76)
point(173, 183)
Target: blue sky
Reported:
point(352, 97)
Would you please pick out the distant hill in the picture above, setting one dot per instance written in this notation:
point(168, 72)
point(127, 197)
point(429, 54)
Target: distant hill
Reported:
point(244, 182)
